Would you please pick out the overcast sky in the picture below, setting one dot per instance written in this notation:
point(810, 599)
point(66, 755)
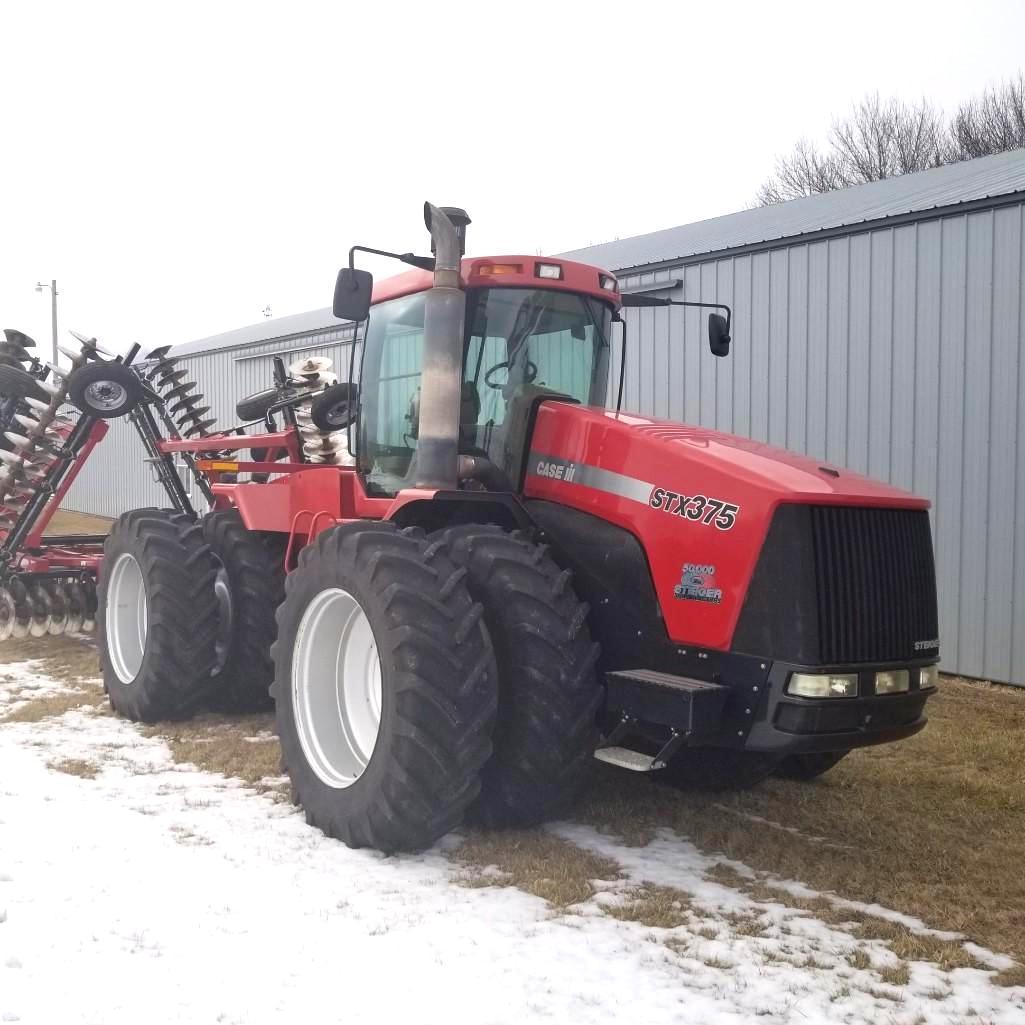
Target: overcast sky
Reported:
point(178, 167)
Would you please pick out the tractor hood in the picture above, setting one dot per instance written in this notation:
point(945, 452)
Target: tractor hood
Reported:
point(693, 497)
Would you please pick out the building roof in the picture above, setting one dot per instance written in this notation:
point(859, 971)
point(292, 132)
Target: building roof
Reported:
point(954, 184)
point(941, 187)
point(272, 329)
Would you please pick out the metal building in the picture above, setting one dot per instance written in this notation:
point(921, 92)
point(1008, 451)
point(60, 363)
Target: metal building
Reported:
point(880, 328)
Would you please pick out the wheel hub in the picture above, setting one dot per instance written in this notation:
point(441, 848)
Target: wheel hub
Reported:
point(127, 618)
point(336, 688)
point(105, 395)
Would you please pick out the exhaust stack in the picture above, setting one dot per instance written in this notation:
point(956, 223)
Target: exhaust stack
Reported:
point(441, 382)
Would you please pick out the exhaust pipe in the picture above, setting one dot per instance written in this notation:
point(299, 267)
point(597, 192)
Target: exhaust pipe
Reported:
point(437, 461)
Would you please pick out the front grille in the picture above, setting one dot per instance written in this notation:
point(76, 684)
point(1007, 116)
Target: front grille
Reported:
point(836, 585)
point(875, 582)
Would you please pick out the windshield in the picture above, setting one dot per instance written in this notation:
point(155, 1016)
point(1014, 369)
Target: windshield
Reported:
point(518, 343)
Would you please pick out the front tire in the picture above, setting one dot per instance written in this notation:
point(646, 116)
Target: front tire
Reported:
point(385, 687)
point(157, 616)
point(548, 690)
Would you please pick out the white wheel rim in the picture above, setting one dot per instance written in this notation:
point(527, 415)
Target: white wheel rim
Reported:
point(127, 618)
point(336, 688)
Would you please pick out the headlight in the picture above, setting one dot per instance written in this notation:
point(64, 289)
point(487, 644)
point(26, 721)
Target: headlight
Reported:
point(893, 681)
point(824, 685)
point(928, 677)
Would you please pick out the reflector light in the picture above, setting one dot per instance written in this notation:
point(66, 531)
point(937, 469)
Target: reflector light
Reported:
point(824, 685)
point(496, 269)
point(548, 270)
point(217, 465)
point(608, 282)
point(928, 677)
point(893, 681)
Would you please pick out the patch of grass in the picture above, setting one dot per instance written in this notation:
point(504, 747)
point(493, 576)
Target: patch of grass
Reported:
point(912, 946)
point(859, 959)
point(887, 811)
point(238, 746)
point(535, 861)
point(1014, 976)
point(50, 706)
point(67, 521)
point(662, 907)
point(895, 975)
point(76, 767)
point(882, 994)
point(72, 660)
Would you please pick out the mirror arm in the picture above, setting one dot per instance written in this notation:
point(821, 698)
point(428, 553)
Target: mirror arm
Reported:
point(423, 262)
point(633, 299)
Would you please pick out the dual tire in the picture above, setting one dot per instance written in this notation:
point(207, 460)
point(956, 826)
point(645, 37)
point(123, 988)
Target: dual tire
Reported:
point(467, 678)
point(186, 614)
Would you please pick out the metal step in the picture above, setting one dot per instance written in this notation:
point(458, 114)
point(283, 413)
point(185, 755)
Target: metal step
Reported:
point(635, 761)
point(694, 707)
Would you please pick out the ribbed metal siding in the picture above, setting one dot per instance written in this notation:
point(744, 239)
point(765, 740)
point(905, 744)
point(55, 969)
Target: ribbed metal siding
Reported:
point(899, 353)
point(875, 582)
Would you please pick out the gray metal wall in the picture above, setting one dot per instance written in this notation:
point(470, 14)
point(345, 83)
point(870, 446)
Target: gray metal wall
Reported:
point(899, 353)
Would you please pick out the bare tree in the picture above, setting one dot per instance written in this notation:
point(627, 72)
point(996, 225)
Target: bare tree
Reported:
point(991, 123)
point(883, 138)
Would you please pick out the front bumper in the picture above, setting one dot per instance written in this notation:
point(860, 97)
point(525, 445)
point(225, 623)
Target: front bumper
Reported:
point(756, 713)
point(789, 724)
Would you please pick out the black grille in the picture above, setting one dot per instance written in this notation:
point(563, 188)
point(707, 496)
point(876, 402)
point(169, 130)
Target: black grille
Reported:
point(875, 582)
point(838, 584)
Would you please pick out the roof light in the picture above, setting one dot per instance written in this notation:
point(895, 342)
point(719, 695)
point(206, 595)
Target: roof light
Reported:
point(496, 269)
point(552, 271)
point(608, 282)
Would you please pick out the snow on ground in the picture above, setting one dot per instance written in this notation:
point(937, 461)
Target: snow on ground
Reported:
point(157, 893)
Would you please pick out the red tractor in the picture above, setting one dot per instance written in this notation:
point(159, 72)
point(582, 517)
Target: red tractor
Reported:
point(512, 579)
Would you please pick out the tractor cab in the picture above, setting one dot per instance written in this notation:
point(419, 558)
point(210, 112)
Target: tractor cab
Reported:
point(522, 343)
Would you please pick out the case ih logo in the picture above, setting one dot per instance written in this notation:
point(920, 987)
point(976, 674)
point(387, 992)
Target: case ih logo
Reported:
point(697, 583)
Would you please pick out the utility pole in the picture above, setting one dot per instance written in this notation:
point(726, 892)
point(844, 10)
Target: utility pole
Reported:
point(52, 286)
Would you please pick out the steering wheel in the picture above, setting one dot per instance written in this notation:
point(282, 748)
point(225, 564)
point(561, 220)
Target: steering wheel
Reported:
point(529, 373)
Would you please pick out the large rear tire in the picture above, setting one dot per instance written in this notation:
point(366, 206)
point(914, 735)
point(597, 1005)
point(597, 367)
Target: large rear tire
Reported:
point(157, 616)
point(549, 693)
point(385, 687)
point(717, 769)
point(250, 585)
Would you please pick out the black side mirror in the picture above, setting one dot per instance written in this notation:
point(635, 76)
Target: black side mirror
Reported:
point(718, 334)
point(353, 291)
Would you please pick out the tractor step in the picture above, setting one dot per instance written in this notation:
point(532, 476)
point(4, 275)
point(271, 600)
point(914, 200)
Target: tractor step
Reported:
point(635, 761)
point(692, 707)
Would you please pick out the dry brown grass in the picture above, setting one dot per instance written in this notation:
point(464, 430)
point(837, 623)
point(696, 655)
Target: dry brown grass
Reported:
point(49, 706)
point(70, 660)
point(663, 907)
point(67, 521)
point(76, 767)
point(238, 746)
point(931, 827)
point(534, 861)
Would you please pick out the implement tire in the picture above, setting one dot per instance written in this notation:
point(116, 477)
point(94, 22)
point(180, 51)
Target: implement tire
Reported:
point(549, 692)
point(809, 766)
point(717, 769)
point(157, 615)
point(250, 586)
point(385, 687)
